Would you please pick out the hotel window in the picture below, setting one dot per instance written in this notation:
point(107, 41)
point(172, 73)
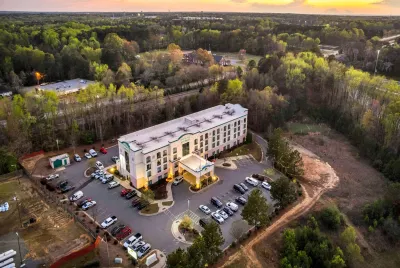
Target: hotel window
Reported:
point(229, 126)
point(244, 126)
point(159, 162)
point(206, 136)
point(213, 138)
point(213, 132)
point(217, 131)
point(244, 132)
point(213, 145)
point(201, 144)
point(201, 150)
point(234, 130)
point(206, 142)
point(235, 124)
point(229, 138)
point(224, 140)
point(174, 150)
point(234, 135)
point(175, 156)
point(195, 142)
point(239, 128)
point(201, 137)
point(206, 149)
point(224, 134)
point(165, 166)
point(127, 167)
point(149, 173)
point(245, 120)
point(217, 143)
point(164, 153)
point(148, 159)
point(158, 169)
point(217, 137)
point(158, 155)
point(238, 134)
point(196, 148)
point(148, 167)
point(224, 128)
point(229, 133)
point(165, 160)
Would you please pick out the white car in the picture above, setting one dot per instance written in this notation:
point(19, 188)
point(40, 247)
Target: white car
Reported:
point(232, 206)
point(99, 165)
point(108, 222)
point(143, 250)
point(93, 153)
point(88, 205)
point(77, 158)
point(138, 245)
point(205, 209)
point(223, 214)
point(251, 181)
point(266, 185)
point(113, 184)
point(88, 156)
point(115, 159)
point(178, 180)
point(52, 177)
point(133, 240)
point(76, 196)
point(107, 178)
point(218, 218)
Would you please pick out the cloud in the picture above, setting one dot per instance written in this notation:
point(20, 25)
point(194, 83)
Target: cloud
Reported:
point(294, 3)
point(392, 3)
point(239, 1)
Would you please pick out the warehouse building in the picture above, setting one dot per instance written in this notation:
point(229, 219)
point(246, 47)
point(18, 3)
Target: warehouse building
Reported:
point(181, 146)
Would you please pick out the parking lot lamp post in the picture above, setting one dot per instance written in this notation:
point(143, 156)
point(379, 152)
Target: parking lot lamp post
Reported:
point(19, 248)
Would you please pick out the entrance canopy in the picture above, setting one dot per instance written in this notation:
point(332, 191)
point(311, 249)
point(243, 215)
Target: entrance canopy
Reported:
point(196, 165)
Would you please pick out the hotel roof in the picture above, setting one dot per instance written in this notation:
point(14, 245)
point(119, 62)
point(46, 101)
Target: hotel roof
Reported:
point(161, 135)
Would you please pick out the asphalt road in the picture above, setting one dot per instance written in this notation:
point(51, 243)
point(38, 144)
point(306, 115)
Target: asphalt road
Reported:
point(157, 229)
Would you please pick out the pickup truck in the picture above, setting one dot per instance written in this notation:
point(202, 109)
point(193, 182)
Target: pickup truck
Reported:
point(133, 240)
point(108, 222)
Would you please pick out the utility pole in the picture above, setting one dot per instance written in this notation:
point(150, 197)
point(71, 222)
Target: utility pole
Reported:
point(19, 248)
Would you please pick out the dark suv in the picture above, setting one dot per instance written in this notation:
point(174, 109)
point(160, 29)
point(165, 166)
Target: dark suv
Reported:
point(239, 188)
point(204, 221)
point(216, 202)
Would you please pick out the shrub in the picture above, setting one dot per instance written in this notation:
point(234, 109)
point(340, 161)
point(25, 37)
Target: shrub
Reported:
point(392, 229)
point(115, 241)
point(186, 222)
point(331, 217)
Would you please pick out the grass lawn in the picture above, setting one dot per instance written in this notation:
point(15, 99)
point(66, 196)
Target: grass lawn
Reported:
point(245, 149)
point(7, 190)
point(167, 203)
point(150, 209)
point(301, 128)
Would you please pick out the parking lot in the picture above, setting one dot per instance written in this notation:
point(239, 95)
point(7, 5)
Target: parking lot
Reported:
point(156, 230)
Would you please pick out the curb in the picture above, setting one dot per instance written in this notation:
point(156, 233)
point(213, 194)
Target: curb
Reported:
point(205, 188)
point(176, 232)
point(160, 209)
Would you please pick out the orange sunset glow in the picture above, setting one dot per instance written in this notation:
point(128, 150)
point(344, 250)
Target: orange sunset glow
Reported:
point(356, 7)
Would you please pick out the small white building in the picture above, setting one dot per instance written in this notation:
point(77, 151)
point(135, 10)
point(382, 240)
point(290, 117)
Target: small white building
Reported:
point(59, 161)
point(182, 145)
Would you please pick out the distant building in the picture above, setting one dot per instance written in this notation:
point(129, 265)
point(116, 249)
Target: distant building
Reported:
point(221, 60)
point(191, 58)
point(63, 87)
point(6, 94)
point(59, 161)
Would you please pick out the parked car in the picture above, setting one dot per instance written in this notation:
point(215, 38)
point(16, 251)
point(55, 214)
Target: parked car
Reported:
point(88, 156)
point(138, 245)
point(67, 188)
point(136, 201)
point(107, 178)
point(113, 184)
point(133, 240)
point(115, 159)
point(216, 202)
point(178, 180)
point(261, 177)
point(77, 158)
point(232, 206)
point(88, 205)
point(223, 214)
point(266, 185)
point(251, 181)
point(108, 222)
point(81, 203)
point(228, 211)
point(52, 177)
point(124, 233)
point(125, 191)
point(92, 153)
point(131, 194)
point(62, 184)
point(142, 205)
point(238, 188)
point(205, 209)
point(114, 231)
point(204, 221)
point(143, 250)
point(241, 200)
point(103, 150)
point(244, 186)
point(99, 165)
point(76, 196)
point(218, 218)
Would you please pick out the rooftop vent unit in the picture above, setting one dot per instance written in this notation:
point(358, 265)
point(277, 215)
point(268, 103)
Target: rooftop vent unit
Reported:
point(219, 116)
point(169, 133)
point(231, 112)
point(184, 129)
point(207, 120)
point(154, 138)
point(197, 125)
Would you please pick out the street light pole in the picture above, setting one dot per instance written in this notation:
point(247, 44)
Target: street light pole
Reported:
point(376, 64)
point(188, 204)
point(19, 248)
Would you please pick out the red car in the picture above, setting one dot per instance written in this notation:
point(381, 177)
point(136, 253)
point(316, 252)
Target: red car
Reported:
point(103, 150)
point(124, 233)
point(125, 192)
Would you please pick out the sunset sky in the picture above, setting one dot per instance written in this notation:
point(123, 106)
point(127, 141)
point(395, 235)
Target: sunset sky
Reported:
point(356, 7)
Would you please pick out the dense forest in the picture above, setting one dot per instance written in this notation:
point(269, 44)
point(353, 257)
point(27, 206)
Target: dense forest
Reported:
point(64, 46)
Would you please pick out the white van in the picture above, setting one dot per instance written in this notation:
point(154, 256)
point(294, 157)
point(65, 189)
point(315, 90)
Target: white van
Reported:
point(93, 153)
point(76, 196)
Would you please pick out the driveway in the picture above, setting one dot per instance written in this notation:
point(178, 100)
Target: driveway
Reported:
point(157, 229)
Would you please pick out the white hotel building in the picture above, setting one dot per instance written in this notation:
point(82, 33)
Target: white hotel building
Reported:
point(181, 145)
